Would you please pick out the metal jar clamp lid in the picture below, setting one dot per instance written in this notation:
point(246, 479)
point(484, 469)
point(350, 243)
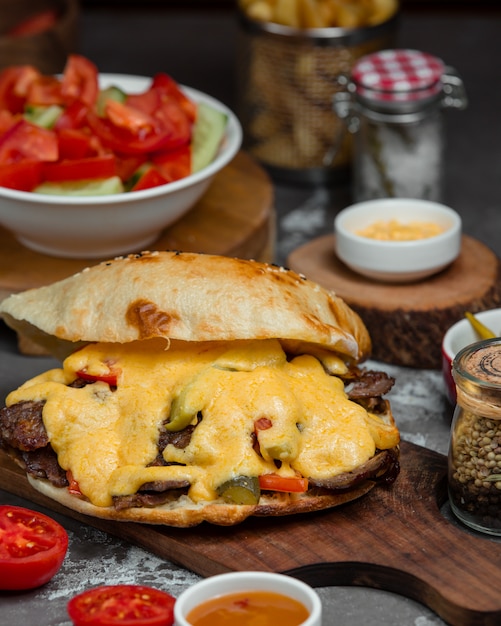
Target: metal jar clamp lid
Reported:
point(402, 83)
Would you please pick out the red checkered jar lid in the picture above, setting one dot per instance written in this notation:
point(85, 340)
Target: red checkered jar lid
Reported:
point(398, 76)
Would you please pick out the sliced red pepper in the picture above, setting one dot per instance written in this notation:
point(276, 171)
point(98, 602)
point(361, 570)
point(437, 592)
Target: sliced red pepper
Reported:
point(174, 164)
point(22, 175)
point(81, 169)
point(73, 486)
point(289, 484)
point(111, 377)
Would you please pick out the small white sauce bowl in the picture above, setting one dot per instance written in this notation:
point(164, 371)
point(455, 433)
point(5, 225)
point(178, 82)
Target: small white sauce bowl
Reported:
point(234, 582)
point(110, 225)
point(397, 261)
point(460, 335)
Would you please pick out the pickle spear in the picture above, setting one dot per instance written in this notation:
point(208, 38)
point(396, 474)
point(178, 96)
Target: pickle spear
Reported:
point(240, 490)
point(479, 328)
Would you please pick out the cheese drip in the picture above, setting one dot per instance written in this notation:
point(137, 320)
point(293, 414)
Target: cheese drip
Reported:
point(107, 438)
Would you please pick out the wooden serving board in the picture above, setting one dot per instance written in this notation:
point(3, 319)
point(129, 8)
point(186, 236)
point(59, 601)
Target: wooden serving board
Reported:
point(235, 217)
point(407, 321)
point(394, 538)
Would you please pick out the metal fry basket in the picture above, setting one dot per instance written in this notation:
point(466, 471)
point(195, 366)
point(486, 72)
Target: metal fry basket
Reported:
point(286, 81)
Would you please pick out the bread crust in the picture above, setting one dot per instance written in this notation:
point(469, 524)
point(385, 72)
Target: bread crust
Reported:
point(185, 513)
point(186, 296)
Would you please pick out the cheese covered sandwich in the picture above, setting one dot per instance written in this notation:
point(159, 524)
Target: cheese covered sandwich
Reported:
point(197, 388)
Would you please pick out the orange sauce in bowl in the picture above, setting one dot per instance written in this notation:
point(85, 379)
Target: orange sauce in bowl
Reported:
point(247, 608)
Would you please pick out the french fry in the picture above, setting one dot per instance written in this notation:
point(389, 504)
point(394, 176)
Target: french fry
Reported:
point(321, 13)
point(287, 13)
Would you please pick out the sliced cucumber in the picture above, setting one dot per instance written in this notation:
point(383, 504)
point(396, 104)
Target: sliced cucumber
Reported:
point(110, 93)
point(98, 187)
point(208, 132)
point(44, 116)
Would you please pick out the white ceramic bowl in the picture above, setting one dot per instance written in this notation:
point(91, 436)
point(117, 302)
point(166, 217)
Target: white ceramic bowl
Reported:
point(105, 226)
point(460, 335)
point(233, 582)
point(397, 261)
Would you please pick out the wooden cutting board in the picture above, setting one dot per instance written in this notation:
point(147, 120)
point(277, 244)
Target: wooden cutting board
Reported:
point(394, 539)
point(407, 322)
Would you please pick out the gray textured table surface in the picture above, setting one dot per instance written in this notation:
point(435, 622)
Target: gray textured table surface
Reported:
point(197, 48)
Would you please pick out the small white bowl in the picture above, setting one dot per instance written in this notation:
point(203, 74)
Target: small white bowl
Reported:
point(105, 226)
point(233, 582)
point(397, 261)
point(460, 335)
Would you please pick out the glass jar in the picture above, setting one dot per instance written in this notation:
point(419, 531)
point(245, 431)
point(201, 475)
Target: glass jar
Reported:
point(474, 463)
point(393, 104)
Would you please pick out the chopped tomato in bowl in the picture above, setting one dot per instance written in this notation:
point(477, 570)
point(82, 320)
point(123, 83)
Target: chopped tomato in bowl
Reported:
point(32, 548)
point(92, 174)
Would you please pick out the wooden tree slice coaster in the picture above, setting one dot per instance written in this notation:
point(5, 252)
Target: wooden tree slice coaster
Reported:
point(408, 321)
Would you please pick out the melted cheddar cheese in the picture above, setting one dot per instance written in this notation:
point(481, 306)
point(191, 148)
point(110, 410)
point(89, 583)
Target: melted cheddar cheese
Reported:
point(107, 437)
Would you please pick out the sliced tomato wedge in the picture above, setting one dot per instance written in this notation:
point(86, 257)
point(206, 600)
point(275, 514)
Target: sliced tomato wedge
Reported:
point(25, 140)
point(75, 144)
point(88, 168)
point(73, 116)
point(14, 84)
point(111, 377)
point(290, 484)
point(126, 142)
point(45, 90)
point(123, 605)
point(127, 164)
point(173, 164)
point(170, 90)
point(151, 178)
point(22, 175)
point(80, 80)
point(32, 548)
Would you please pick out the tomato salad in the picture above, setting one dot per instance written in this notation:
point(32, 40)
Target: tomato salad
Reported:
point(65, 131)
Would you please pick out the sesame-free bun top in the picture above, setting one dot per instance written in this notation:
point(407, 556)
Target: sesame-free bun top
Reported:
point(188, 297)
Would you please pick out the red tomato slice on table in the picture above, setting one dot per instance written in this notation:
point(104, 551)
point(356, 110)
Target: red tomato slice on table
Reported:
point(80, 80)
point(290, 484)
point(124, 605)
point(32, 548)
point(87, 168)
point(22, 175)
